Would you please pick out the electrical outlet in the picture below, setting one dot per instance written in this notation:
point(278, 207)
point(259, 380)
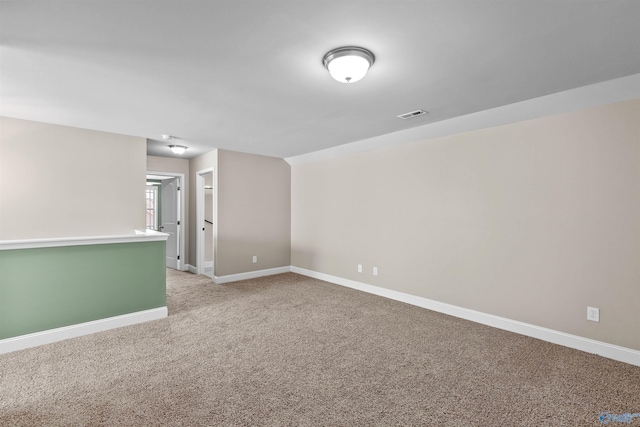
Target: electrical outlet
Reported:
point(375, 271)
point(255, 259)
point(593, 314)
point(359, 268)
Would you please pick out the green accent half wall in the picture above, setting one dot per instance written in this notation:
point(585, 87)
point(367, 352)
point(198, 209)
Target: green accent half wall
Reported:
point(47, 288)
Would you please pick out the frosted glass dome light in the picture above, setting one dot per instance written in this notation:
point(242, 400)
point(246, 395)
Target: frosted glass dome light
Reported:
point(348, 64)
point(178, 149)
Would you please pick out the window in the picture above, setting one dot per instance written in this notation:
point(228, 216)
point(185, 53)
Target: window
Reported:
point(152, 207)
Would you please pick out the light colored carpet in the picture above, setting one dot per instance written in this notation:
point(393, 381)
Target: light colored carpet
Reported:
point(290, 350)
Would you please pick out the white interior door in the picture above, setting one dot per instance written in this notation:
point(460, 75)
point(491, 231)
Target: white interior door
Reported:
point(169, 216)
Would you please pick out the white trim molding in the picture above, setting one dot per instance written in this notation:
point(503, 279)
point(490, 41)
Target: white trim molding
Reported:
point(138, 236)
point(600, 348)
point(53, 335)
point(200, 219)
point(250, 275)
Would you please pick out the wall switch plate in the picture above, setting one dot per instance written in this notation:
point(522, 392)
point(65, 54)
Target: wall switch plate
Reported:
point(593, 314)
point(255, 259)
point(359, 268)
point(375, 271)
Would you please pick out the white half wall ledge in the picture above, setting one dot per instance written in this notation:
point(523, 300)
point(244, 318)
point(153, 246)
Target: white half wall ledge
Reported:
point(136, 237)
point(608, 92)
point(22, 342)
point(610, 351)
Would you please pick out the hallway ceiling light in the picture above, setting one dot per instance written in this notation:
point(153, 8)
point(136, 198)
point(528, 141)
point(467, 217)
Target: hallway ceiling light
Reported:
point(348, 64)
point(178, 149)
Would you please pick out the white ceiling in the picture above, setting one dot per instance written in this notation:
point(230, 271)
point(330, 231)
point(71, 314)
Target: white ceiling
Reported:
point(247, 75)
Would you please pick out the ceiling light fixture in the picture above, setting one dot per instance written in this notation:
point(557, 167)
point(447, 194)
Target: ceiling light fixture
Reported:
point(348, 64)
point(178, 149)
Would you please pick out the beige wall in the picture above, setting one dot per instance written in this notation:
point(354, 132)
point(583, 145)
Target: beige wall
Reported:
point(168, 164)
point(254, 213)
point(58, 181)
point(175, 165)
point(532, 221)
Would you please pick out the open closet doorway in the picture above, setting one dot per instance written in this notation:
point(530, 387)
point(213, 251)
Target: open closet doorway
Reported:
point(165, 210)
point(205, 222)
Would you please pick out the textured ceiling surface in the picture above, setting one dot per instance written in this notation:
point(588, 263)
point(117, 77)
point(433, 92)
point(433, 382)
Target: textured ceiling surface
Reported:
point(248, 75)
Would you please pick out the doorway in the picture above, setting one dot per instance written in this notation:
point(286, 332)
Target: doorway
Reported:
point(206, 222)
point(168, 211)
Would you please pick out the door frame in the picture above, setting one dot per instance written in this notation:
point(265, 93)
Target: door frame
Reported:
point(200, 209)
point(182, 262)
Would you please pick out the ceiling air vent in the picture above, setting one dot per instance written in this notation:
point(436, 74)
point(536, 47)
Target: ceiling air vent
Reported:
point(412, 114)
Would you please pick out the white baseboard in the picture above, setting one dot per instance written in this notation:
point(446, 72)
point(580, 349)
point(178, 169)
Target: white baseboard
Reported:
point(250, 275)
point(193, 269)
point(610, 351)
point(52, 335)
